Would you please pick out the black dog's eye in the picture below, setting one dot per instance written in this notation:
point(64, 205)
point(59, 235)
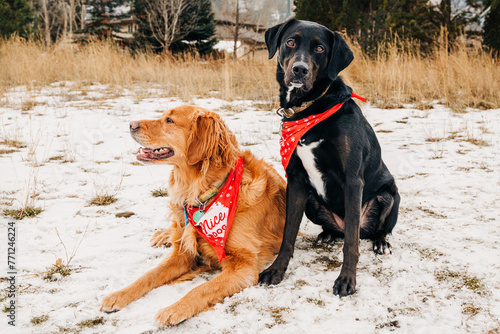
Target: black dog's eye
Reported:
point(169, 120)
point(319, 49)
point(290, 43)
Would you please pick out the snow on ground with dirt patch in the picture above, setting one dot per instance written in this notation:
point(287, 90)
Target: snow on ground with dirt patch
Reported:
point(68, 143)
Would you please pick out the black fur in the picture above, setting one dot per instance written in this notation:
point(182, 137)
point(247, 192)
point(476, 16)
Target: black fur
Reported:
point(357, 183)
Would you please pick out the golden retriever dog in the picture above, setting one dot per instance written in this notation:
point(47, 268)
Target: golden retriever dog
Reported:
point(202, 151)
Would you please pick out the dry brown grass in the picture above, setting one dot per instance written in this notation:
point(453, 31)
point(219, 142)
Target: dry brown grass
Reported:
point(103, 199)
point(27, 207)
point(38, 320)
point(62, 268)
point(460, 78)
point(30, 63)
point(398, 74)
point(26, 211)
point(160, 192)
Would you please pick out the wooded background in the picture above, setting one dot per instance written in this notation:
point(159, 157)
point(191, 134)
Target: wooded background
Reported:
point(172, 26)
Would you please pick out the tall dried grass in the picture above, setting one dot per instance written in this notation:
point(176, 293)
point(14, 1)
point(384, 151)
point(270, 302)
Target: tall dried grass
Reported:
point(398, 74)
point(31, 63)
point(458, 76)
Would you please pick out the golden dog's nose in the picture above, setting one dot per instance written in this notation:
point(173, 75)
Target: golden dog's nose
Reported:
point(134, 126)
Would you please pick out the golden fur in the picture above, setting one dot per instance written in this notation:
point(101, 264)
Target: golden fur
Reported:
point(205, 151)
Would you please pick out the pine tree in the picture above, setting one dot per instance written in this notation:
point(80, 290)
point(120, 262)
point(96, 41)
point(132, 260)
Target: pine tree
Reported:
point(360, 19)
point(337, 15)
point(491, 28)
point(101, 11)
point(203, 32)
point(415, 20)
point(371, 21)
point(17, 17)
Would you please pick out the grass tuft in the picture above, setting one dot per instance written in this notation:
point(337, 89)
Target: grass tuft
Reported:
point(27, 211)
point(91, 323)
point(12, 143)
point(56, 158)
point(38, 320)
point(477, 141)
point(160, 192)
point(58, 268)
point(8, 151)
point(103, 199)
point(105, 194)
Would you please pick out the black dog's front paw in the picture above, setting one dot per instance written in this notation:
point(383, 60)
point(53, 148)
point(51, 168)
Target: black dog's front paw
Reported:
point(382, 247)
point(328, 237)
point(271, 276)
point(344, 285)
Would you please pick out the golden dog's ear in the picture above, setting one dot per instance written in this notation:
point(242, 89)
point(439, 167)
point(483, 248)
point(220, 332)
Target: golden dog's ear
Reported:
point(210, 141)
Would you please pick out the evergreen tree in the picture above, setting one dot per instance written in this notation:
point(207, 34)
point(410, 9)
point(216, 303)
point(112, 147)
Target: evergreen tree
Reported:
point(143, 38)
point(415, 20)
point(358, 18)
point(16, 16)
point(203, 31)
point(491, 28)
point(196, 32)
point(102, 11)
point(370, 21)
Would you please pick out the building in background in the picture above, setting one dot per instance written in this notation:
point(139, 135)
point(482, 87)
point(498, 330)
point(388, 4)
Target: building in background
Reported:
point(240, 24)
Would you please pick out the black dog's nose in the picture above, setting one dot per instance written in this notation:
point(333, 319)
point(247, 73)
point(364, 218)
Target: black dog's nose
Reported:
point(300, 69)
point(134, 126)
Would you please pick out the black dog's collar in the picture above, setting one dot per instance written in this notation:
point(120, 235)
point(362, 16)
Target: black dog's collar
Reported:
point(289, 112)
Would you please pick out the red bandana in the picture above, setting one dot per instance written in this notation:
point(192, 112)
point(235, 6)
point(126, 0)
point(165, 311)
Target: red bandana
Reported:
point(216, 219)
point(292, 131)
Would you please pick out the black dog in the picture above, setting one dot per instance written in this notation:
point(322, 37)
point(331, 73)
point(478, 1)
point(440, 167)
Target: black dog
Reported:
point(335, 174)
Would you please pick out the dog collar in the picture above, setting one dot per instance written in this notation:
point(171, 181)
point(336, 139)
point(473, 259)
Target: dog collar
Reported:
point(204, 199)
point(210, 193)
point(289, 112)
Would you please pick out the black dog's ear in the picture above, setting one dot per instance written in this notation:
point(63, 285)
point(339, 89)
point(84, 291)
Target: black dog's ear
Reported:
point(340, 57)
point(273, 36)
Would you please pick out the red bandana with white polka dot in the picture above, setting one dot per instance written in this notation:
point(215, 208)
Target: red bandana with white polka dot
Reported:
point(292, 131)
point(218, 217)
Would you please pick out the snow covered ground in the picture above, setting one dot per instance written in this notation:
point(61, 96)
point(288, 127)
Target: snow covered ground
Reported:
point(443, 275)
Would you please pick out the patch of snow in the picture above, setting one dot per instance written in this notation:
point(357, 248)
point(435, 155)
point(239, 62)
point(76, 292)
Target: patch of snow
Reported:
point(227, 46)
point(443, 275)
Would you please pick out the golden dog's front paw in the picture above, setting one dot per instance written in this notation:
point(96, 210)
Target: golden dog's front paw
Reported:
point(115, 302)
point(161, 238)
point(173, 315)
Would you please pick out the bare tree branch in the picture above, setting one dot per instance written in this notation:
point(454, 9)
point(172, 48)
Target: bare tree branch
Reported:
point(46, 21)
point(164, 20)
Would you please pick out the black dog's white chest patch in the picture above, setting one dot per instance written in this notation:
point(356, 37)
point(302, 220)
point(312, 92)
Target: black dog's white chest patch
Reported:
point(306, 155)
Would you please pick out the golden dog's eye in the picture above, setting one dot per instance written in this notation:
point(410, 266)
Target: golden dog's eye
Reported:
point(319, 49)
point(169, 120)
point(290, 43)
